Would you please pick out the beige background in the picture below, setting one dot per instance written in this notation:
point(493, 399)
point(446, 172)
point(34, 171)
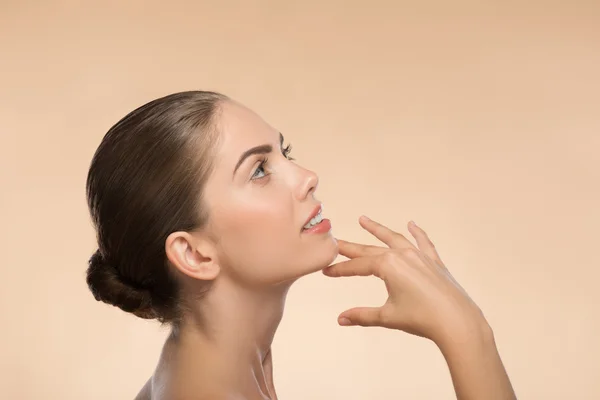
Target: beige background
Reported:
point(479, 120)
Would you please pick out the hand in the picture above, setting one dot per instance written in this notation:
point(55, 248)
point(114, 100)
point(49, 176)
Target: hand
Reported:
point(424, 299)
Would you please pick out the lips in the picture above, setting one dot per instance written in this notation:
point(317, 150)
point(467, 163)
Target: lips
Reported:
point(313, 214)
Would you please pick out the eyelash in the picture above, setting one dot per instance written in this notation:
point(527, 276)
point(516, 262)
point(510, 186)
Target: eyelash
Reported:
point(265, 160)
point(286, 152)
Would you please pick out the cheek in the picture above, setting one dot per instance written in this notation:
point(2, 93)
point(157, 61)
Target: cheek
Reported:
point(250, 219)
point(254, 233)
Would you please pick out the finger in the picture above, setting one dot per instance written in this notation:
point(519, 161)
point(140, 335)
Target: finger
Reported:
point(361, 316)
point(361, 266)
point(393, 239)
point(424, 243)
point(353, 250)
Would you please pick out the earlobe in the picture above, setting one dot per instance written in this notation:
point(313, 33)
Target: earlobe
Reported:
point(191, 256)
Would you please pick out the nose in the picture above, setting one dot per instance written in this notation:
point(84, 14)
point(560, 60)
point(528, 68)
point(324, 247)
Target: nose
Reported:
point(308, 184)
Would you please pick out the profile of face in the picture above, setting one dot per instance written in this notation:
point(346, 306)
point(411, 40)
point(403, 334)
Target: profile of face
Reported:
point(259, 201)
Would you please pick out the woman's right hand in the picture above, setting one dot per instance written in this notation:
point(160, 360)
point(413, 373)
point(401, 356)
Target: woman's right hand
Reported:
point(424, 299)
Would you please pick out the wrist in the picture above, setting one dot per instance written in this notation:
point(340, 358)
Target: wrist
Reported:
point(475, 365)
point(459, 336)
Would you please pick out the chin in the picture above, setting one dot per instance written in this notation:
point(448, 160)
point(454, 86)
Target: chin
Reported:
point(330, 255)
point(322, 256)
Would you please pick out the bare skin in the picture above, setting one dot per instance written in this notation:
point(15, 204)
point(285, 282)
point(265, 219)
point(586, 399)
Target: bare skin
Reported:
point(250, 251)
point(227, 358)
point(165, 385)
point(424, 300)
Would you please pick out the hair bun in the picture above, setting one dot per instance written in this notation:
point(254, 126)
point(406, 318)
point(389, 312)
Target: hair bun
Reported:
point(107, 286)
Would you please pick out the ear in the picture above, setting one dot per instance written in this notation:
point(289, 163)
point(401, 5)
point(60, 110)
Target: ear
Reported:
point(192, 256)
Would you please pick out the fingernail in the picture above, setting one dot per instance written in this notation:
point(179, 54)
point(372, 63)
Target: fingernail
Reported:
point(412, 223)
point(365, 218)
point(344, 321)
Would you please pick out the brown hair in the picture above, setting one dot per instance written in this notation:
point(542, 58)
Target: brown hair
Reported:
point(145, 182)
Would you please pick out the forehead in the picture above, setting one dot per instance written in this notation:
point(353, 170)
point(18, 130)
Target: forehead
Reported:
point(240, 129)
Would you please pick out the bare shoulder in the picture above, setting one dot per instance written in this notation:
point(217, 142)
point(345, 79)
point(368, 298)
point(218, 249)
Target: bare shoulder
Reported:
point(146, 392)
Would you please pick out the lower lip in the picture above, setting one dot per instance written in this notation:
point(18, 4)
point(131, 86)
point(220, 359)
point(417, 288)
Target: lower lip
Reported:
point(322, 227)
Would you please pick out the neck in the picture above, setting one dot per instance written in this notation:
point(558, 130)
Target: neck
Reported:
point(227, 338)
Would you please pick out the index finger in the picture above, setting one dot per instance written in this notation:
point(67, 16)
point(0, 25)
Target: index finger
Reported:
point(360, 266)
point(353, 250)
point(393, 239)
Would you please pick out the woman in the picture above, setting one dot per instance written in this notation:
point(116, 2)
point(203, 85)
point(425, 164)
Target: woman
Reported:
point(204, 221)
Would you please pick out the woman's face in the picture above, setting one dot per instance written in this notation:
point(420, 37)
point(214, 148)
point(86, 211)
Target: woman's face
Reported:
point(259, 205)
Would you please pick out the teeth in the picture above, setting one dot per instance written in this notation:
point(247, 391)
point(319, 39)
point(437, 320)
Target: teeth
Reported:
point(316, 220)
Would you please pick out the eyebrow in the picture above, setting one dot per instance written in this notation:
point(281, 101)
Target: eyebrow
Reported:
point(262, 149)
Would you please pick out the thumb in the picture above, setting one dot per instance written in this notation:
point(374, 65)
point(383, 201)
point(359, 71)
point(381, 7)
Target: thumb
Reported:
point(361, 316)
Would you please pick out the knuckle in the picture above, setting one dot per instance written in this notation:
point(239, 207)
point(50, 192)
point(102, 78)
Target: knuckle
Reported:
point(397, 235)
point(385, 265)
point(389, 258)
point(398, 239)
point(392, 232)
point(410, 252)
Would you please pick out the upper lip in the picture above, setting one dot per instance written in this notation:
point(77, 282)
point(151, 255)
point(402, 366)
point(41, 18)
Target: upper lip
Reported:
point(313, 214)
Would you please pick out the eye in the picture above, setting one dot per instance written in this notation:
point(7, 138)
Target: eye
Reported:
point(260, 169)
point(260, 172)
